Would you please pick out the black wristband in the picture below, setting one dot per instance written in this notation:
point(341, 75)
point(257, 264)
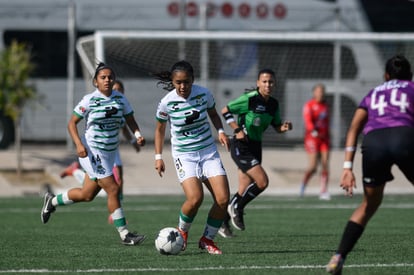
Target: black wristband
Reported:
point(238, 130)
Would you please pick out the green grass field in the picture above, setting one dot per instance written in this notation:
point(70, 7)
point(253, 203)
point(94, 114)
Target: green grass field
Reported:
point(284, 235)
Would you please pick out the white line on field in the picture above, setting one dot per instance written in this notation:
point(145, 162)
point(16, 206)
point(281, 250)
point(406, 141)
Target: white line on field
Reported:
point(282, 267)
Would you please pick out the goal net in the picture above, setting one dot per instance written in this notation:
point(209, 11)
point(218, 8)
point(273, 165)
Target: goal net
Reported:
point(349, 64)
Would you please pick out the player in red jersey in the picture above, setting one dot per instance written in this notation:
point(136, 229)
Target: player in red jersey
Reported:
point(316, 119)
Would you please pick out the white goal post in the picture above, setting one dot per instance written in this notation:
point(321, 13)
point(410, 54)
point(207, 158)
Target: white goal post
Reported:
point(348, 63)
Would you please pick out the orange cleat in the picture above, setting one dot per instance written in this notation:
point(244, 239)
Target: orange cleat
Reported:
point(69, 170)
point(185, 237)
point(209, 245)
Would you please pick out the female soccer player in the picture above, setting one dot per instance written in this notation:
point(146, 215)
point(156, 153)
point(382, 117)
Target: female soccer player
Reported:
point(317, 142)
point(187, 108)
point(256, 110)
point(105, 111)
point(386, 118)
point(75, 170)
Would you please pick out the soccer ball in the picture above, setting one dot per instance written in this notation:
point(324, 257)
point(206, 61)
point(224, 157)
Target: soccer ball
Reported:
point(169, 241)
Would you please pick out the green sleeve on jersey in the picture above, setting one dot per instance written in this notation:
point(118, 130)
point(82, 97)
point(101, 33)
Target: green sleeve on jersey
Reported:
point(76, 114)
point(161, 120)
point(240, 105)
point(255, 122)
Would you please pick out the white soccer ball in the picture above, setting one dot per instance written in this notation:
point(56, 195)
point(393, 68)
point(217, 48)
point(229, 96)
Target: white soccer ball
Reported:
point(169, 241)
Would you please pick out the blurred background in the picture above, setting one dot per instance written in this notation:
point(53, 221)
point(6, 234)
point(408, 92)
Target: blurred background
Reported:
point(343, 44)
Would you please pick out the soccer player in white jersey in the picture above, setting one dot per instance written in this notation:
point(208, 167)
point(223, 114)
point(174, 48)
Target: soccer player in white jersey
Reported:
point(75, 170)
point(105, 111)
point(187, 108)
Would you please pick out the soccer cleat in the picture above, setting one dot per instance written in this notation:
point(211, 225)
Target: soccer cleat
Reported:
point(236, 217)
point(185, 237)
point(133, 239)
point(69, 170)
point(209, 245)
point(48, 207)
point(335, 265)
point(325, 196)
point(225, 230)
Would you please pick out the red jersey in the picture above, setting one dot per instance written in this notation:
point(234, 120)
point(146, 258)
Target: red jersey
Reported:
point(316, 119)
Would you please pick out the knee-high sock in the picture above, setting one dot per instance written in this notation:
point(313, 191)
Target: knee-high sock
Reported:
point(184, 222)
point(351, 235)
point(212, 227)
point(252, 192)
point(120, 222)
point(61, 199)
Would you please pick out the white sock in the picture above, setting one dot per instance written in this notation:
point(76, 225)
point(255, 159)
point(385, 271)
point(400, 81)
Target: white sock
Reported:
point(61, 199)
point(120, 222)
point(210, 232)
point(183, 225)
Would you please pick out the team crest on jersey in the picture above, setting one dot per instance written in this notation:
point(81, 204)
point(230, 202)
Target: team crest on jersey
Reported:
point(199, 100)
point(257, 121)
point(323, 115)
point(162, 114)
point(82, 109)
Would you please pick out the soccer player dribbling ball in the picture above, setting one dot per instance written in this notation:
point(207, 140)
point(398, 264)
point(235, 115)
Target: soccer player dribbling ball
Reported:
point(105, 112)
point(187, 107)
point(385, 117)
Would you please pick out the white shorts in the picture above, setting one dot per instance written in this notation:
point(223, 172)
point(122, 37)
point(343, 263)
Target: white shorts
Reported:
point(202, 164)
point(98, 164)
point(118, 161)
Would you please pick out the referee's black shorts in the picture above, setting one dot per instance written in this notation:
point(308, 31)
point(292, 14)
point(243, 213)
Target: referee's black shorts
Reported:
point(383, 148)
point(246, 154)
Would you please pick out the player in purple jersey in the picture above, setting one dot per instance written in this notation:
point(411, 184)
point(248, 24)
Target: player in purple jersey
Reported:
point(386, 118)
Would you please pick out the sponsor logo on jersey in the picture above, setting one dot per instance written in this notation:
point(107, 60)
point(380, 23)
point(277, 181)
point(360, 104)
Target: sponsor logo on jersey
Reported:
point(193, 132)
point(260, 109)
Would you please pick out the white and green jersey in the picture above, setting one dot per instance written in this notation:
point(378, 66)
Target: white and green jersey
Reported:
point(104, 116)
point(188, 118)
